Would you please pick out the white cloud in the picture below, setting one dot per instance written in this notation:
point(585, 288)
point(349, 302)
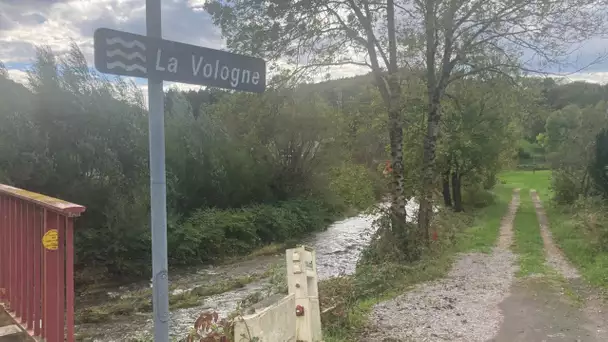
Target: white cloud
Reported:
point(18, 76)
point(25, 24)
point(57, 24)
point(171, 85)
point(593, 77)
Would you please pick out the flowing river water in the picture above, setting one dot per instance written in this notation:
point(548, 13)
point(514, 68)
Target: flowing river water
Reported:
point(337, 251)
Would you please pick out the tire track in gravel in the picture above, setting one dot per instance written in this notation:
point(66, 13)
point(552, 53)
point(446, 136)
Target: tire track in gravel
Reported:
point(554, 256)
point(463, 307)
point(593, 307)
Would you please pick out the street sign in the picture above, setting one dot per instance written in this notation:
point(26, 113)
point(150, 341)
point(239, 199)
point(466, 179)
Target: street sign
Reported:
point(158, 60)
point(127, 54)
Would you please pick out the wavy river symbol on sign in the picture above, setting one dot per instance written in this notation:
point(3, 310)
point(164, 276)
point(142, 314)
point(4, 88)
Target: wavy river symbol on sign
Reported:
point(133, 58)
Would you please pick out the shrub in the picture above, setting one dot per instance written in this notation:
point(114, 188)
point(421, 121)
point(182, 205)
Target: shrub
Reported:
point(592, 219)
point(354, 184)
point(213, 234)
point(565, 187)
point(476, 196)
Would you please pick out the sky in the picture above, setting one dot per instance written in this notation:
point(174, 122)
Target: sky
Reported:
point(25, 24)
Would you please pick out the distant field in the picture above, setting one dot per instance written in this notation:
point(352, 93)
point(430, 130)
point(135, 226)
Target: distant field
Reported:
point(526, 180)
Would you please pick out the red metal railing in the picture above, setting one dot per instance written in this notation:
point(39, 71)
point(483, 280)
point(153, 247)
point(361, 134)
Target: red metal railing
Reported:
point(37, 262)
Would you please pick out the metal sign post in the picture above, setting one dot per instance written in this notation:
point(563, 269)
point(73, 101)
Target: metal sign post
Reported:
point(158, 187)
point(158, 60)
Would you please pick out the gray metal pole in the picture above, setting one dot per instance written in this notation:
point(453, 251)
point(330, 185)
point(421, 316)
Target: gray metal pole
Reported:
point(158, 188)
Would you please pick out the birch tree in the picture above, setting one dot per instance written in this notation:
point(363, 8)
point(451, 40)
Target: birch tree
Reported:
point(463, 38)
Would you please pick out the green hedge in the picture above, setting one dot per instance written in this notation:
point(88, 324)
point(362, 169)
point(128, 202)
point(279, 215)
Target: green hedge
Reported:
point(212, 234)
point(530, 167)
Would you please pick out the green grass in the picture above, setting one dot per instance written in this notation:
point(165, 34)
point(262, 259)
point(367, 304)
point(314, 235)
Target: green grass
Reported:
point(578, 244)
point(568, 226)
point(569, 232)
point(526, 180)
point(482, 234)
point(528, 243)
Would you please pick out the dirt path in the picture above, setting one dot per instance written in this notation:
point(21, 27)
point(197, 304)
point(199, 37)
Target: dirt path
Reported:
point(555, 258)
point(557, 307)
point(482, 301)
point(463, 307)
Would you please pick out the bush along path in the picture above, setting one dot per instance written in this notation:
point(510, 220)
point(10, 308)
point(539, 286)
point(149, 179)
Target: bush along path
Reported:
point(464, 306)
point(556, 305)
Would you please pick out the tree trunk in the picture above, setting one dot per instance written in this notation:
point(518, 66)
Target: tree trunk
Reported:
point(399, 214)
point(425, 210)
point(447, 197)
point(457, 191)
point(584, 183)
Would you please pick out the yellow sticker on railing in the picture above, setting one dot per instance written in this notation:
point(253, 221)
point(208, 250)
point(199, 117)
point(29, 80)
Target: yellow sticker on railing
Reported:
point(50, 240)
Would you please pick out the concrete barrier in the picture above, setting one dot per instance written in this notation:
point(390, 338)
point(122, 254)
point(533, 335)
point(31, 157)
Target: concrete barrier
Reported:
point(275, 323)
point(295, 317)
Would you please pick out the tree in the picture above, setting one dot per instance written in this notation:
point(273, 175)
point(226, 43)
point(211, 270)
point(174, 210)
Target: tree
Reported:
point(466, 38)
point(287, 133)
point(312, 34)
point(571, 137)
point(477, 130)
point(579, 93)
point(460, 39)
point(599, 167)
point(3, 71)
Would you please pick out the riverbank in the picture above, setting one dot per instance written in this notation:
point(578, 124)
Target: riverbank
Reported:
point(122, 314)
point(354, 297)
point(218, 236)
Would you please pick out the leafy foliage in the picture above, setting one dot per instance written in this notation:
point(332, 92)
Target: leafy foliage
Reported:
point(212, 234)
point(242, 170)
point(598, 169)
point(571, 137)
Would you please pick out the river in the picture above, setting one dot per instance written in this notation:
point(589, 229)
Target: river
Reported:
point(337, 250)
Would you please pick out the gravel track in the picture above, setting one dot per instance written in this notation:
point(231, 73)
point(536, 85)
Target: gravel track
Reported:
point(594, 306)
point(555, 257)
point(463, 307)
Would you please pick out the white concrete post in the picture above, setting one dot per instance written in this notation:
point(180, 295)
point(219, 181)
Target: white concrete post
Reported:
point(302, 283)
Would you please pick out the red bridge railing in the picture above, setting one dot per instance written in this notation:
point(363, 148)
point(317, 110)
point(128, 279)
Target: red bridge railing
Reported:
point(37, 262)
